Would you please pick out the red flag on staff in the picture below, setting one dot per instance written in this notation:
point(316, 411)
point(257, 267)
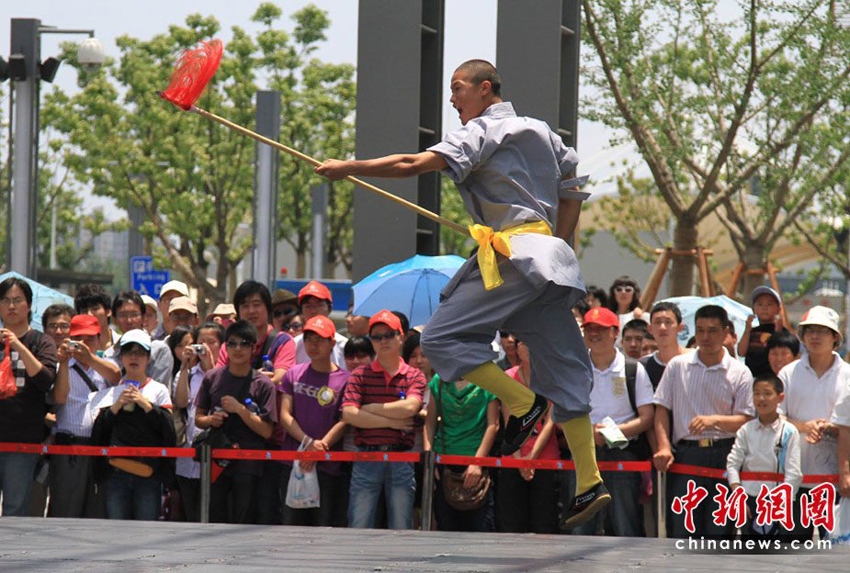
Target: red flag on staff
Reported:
point(195, 69)
point(192, 72)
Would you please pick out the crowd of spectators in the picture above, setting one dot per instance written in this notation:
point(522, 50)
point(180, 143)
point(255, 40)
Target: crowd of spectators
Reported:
point(271, 371)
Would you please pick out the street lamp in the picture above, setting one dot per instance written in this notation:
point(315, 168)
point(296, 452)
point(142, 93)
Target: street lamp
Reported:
point(25, 70)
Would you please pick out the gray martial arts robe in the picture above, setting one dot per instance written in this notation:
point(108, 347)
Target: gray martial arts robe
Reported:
point(509, 171)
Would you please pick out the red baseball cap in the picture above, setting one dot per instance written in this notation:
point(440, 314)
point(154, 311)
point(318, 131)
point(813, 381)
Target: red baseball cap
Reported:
point(602, 317)
point(85, 325)
point(316, 289)
point(387, 318)
point(321, 325)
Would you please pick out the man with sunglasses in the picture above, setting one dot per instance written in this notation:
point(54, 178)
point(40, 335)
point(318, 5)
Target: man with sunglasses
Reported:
point(221, 403)
point(316, 300)
point(284, 308)
point(380, 401)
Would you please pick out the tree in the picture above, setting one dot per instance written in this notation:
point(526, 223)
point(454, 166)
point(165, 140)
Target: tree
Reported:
point(193, 179)
point(318, 102)
point(452, 208)
point(713, 99)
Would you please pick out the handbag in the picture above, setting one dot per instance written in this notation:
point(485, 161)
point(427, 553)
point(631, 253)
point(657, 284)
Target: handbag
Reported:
point(456, 495)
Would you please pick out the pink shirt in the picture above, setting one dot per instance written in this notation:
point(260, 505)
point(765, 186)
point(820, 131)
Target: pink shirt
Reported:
point(284, 358)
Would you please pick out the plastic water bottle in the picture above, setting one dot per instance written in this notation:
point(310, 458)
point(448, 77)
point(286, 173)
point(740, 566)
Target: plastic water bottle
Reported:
point(131, 406)
point(251, 406)
point(268, 365)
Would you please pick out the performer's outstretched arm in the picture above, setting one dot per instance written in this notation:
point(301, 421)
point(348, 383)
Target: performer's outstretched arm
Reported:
point(396, 165)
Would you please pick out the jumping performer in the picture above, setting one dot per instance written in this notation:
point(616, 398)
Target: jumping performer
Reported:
point(513, 175)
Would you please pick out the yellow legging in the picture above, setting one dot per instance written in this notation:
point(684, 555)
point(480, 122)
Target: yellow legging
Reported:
point(519, 399)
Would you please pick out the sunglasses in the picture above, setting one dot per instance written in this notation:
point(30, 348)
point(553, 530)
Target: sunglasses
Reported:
point(239, 344)
point(296, 325)
point(627, 289)
point(380, 337)
point(283, 312)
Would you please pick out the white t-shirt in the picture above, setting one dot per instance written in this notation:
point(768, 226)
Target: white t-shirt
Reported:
point(610, 396)
point(808, 397)
point(156, 393)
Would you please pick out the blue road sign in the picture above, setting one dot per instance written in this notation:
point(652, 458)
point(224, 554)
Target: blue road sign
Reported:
point(145, 279)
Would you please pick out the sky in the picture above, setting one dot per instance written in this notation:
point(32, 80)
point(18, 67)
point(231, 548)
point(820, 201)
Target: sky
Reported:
point(146, 18)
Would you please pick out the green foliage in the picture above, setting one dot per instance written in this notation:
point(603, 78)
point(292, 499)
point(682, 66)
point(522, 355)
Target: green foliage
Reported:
point(714, 94)
point(318, 101)
point(452, 208)
point(192, 178)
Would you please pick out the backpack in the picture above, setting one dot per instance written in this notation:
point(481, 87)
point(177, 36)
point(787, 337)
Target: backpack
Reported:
point(640, 446)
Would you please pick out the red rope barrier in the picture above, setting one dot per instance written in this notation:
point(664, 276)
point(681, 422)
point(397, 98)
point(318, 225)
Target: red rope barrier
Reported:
point(720, 474)
point(281, 455)
point(97, 451)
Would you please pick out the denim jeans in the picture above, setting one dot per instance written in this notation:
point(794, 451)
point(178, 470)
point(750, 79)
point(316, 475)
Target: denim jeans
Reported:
point(16, 476)
point(132, 497)
point(398, 482)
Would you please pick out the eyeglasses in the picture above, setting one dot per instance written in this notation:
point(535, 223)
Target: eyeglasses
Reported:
point(59, 326)
point(624, 288)
point(17, 301)
point(126, 315)
point(234, 344)
point(380, 337)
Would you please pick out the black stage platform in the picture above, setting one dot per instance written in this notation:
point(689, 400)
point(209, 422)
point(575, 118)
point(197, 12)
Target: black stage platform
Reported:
point(94, 546)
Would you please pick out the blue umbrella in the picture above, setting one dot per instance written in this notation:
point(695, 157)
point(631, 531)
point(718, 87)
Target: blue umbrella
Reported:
point(42, 297)
point(737, 312)
point(412, 287)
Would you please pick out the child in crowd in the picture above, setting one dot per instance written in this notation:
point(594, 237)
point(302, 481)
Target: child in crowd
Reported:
point(753, 343)
point(783, 348)
point(768, 443)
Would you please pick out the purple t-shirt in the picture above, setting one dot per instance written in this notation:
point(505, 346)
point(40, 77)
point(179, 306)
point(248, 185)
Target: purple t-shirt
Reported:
point(316, 404)
point(217, 384)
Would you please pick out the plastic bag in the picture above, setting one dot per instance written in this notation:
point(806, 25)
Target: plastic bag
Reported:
point(841, 532)
point(8, 386)
point(303, 489)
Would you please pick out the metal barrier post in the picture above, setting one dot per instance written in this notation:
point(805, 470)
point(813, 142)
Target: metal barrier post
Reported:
point(661, 503)
point(429, 462)
point(206, 482)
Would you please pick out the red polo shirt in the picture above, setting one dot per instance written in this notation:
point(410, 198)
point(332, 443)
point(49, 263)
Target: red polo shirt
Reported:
point(373, 385)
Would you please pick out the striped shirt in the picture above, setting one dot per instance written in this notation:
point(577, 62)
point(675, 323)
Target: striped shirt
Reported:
point(373, 385)
point(690, 388)
point(71, 416)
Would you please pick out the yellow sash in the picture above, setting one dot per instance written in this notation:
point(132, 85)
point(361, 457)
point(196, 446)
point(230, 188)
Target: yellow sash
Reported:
point(489, 242)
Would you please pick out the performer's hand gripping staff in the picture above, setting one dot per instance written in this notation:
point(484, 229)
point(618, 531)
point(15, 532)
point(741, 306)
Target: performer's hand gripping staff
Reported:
point(194, 70)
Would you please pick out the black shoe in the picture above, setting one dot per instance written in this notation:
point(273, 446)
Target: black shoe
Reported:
point(585, 506)
point(518, 430)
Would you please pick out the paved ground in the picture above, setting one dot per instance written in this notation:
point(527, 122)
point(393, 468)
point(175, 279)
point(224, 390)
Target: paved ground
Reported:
point(94, 546)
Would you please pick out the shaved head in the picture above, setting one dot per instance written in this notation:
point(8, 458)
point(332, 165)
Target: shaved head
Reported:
point(477, 71)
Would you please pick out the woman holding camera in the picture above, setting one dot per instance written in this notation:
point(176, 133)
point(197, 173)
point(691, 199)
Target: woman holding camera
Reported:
point(195, 356)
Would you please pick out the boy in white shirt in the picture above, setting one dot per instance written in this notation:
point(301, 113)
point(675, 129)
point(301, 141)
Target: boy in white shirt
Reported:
point(768, 443)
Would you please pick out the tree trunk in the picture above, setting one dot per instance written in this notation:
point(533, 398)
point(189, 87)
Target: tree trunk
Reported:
point(755, 257)
point(682, 271)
